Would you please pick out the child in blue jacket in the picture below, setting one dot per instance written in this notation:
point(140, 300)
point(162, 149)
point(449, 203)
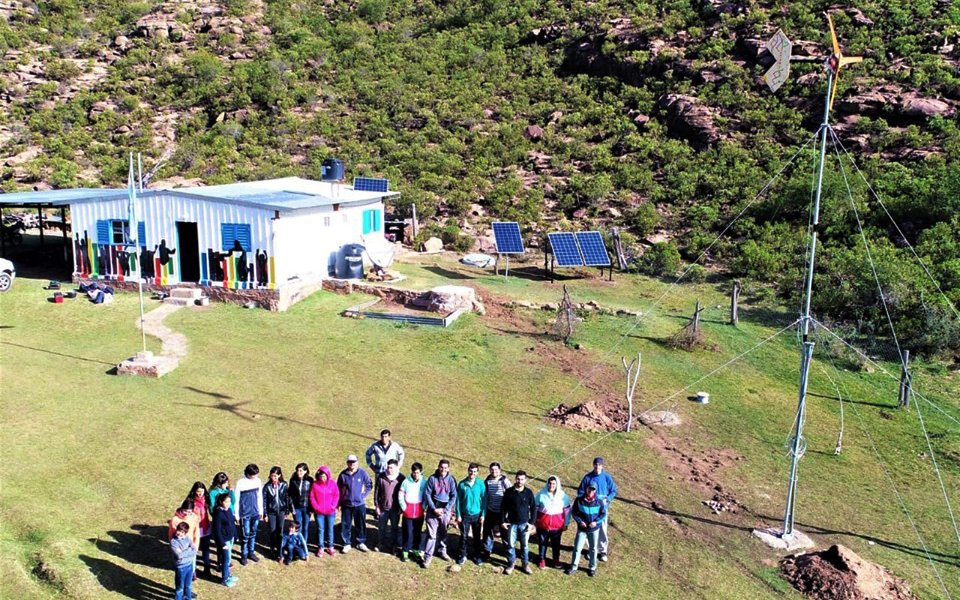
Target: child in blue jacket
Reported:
point(294, 547)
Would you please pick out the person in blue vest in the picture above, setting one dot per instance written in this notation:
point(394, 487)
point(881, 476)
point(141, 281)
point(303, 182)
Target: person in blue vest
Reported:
point(606, 492)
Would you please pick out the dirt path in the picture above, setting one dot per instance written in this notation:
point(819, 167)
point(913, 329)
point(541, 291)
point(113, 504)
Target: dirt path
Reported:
point(174, 344)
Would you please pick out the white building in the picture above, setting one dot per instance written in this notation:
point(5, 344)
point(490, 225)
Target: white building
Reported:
point(279, 234)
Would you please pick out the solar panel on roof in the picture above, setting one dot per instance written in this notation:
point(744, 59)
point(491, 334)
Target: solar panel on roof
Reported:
point(593, 249)
point(506, 234)
point(565, 250)
point(370, 184)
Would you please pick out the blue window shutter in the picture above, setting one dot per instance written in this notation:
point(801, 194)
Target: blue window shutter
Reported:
point(104, 233)
point(236, 231)
point(227, 235)
point(376, 219)
point(367, 222)
point(243, 234)
point(142, 233)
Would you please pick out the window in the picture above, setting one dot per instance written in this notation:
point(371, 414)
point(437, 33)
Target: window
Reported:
point(117, 232)
point(232, 234)
point(120, 232)
point(346, 218)
point(326, 221)
point(371, 220)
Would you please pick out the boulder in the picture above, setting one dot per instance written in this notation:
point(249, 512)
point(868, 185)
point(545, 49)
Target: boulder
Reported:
point(533, 132)
point(432, 246)
point(448, 298)
point(688, 119)
point(915, 106)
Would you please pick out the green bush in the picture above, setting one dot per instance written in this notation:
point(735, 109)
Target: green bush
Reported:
point(661, 259)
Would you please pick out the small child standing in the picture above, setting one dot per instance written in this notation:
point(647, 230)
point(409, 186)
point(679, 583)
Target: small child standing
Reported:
point(185, 559)
point(224, 530)
point(294, 546)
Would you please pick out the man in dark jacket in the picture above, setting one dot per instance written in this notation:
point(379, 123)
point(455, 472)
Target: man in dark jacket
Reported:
point(589, 512)
point(439, 502)
point(355, 485)
point(519, 521)
point(386, 505)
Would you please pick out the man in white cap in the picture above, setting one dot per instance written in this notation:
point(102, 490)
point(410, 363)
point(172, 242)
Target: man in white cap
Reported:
point(355, 485)
point(606, 492)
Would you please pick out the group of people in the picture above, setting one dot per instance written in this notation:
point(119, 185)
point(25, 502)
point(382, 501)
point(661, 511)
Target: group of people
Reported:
point(404, 506)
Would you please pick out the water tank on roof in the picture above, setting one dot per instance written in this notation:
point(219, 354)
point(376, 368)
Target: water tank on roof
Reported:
point(350, 262)
point(331, 169)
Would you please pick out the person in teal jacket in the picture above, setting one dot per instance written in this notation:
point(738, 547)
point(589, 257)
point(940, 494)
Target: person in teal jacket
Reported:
point(589, 512)
point(471, 506)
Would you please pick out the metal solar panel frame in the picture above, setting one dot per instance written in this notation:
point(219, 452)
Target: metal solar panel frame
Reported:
point(371, 184)
point(508, 239)
point(566, 251)
point(593, 249)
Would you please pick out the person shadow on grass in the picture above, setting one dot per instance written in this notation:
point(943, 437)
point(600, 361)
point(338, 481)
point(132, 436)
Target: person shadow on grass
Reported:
point(115, 578)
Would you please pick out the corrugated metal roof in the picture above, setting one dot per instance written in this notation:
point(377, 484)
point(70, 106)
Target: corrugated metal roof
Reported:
point(284, 194)
point(60, 197)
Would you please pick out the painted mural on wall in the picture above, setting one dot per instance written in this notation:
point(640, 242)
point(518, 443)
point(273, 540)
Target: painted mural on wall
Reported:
point(231, 268)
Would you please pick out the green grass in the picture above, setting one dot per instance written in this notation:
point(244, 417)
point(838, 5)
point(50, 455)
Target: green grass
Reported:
point(93, 465)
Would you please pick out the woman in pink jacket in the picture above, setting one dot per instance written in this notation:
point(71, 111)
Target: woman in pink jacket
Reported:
point(324, 498)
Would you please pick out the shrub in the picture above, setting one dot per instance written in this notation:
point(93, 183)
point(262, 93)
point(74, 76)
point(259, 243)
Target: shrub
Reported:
point(661, 259)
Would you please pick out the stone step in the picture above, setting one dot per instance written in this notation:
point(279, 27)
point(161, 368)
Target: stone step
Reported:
point(186, 293)
point(179, 301)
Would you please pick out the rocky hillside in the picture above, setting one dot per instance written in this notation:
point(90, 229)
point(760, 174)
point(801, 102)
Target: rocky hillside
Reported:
point(651, 115)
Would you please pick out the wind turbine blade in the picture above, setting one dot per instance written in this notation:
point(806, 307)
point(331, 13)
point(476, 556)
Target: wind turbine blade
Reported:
point(849, 60)
point(833, 36)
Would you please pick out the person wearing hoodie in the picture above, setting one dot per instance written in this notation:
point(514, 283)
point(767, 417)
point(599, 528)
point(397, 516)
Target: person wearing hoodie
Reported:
point(184, 558)
point(553, 515)
point(224, 530)
point(381, 451)
point(202, 508)
point(324, 499)
point(218, 486)
point(439, 501)
point(355, 485)
point(589, 512)
point(299, 490)
point(606, 492)
point(411, 505)
point(276, 503)
point(249, 511)
point(471, 505)
point(386, 505)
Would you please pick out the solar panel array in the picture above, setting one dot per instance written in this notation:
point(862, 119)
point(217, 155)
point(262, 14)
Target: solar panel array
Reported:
point(370, 184)
point(565, 250)
point(506, 234)
point(578, 249)
point(593, 249)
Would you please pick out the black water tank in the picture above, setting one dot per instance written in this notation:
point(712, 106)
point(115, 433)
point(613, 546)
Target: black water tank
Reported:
point(331, 169)
point(350, 262)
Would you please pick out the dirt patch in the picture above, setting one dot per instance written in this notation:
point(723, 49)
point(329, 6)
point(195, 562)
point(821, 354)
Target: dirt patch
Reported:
point(46, 573)
point(596, 415)
point(837, 573)
point(699, 471)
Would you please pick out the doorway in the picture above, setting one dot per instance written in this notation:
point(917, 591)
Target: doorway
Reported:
point(188, 251)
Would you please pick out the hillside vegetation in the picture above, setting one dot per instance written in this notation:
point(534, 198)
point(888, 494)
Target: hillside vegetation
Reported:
point(647, 115)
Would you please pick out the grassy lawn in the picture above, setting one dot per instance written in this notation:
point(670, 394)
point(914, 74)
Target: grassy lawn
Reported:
point(93, 465)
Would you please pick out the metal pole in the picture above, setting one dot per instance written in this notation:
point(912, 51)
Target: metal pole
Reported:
point(797, 446)
point(143, 331)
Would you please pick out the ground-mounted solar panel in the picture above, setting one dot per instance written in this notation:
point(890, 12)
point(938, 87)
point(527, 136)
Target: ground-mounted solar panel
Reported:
point(370, 184)
point(566, 253)
point(506, 234)
point(593, 249)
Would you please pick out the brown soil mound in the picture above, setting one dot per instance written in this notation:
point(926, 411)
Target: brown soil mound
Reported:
point(596, 415)
point(839, 574)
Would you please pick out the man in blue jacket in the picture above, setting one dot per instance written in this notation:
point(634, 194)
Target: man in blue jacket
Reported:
point(355, 485)
point(606, 492)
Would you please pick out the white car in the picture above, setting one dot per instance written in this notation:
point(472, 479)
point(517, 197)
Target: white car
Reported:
point(7, 274)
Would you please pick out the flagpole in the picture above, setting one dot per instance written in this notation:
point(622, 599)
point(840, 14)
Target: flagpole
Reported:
point(136, 249)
